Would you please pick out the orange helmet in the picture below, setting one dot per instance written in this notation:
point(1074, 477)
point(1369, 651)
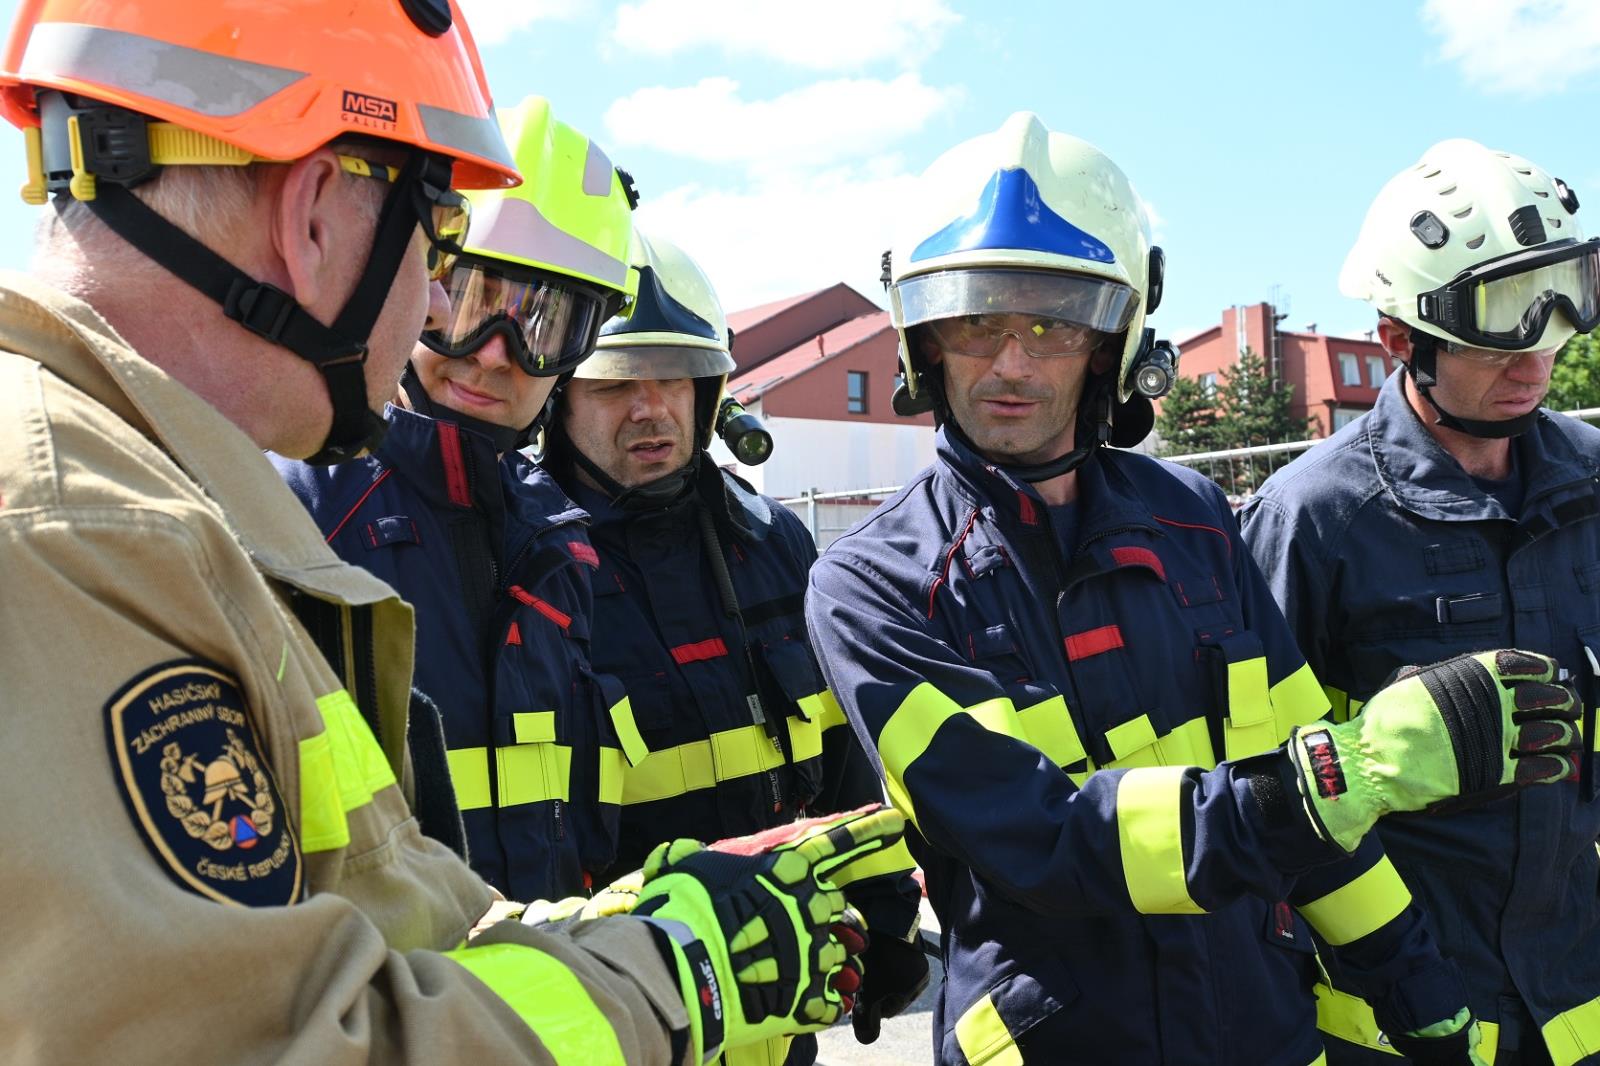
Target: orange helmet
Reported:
point(275, 81)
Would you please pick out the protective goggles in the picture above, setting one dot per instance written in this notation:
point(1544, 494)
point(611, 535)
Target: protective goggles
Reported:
point(1506, 303)
point(1048, 296)
point(981, 336)
point(444, 214)
point(550, 323)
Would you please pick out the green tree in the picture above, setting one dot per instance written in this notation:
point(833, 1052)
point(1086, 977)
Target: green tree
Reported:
point(1247, 408)
point(1188, 421)
point(1254, 411)
point(1575, 382)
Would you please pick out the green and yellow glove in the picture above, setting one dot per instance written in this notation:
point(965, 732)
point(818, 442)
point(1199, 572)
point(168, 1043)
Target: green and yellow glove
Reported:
point(760, 942)
point(1465, 729)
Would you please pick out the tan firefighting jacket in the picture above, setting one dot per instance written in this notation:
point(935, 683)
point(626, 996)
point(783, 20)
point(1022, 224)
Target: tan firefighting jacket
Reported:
point(204, 855)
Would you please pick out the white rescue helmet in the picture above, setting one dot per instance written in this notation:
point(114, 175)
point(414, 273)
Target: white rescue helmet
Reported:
point(1477, 247)
point(1027, 221)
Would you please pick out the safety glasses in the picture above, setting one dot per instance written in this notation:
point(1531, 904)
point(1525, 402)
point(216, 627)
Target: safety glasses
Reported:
point(981, 336)
point(443, 213)
point(1505, 303)
point(550, 323)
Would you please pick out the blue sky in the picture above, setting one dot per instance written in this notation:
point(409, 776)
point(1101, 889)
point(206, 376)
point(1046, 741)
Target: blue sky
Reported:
point(772, 138)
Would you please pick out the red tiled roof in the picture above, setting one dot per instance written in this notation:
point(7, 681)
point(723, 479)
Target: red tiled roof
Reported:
point(743, 320)
point(808, 355)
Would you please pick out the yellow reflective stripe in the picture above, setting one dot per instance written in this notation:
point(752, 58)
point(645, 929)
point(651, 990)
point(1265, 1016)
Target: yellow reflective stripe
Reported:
point(1150, 828)
point(1048, 726)
point(1343, 707)
point(983, 1036)
point(910, 729)
point(322, 822)
point(1188, 745)
point(628, 735)
point(1350, 1019)
point(534, 773)
point(805, 739)
point(525, 773)
point(534, 727)
point(823, 709)
point(700, 764)
point(1250, 728)
point(1573, 1034)
point(340, 770)
point(1298, 699)
point(1365, 904)
point(891, 860)
point(1338, 703)
point(549, 998)
point(613, 772)
point(1131, 736)
point(469, 776)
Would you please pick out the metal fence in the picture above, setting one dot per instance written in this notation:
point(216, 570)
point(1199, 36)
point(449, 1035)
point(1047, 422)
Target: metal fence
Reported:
point(1240, 471)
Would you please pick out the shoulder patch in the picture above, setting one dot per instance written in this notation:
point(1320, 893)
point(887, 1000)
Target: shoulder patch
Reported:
point(187, 759)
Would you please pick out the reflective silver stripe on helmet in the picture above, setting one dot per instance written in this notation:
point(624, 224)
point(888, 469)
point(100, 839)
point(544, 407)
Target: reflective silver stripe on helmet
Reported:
point(655, 363)
point(467, 134)
point(598, 172)
point(197, 81)
point(511, 226)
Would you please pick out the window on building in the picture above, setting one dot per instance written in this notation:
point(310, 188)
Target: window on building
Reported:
point(1343, 416)
point(1208, 382)
point(1349, 369)
point(855, 392)
point(1376, 371)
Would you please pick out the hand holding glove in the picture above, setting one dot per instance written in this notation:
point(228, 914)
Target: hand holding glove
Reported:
point(760, 942)
point(1468, 728)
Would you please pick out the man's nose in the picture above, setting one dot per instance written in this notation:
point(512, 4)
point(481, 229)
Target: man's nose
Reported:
point(438, 306)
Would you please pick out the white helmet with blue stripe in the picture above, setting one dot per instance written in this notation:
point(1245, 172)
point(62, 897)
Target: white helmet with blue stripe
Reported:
point(1025, 221)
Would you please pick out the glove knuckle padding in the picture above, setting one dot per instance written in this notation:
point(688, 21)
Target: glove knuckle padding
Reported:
point(1471, 703)
point(1512, 664)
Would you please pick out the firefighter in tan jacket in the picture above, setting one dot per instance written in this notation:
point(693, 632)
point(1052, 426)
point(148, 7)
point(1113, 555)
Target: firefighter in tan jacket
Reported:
point(209, 853)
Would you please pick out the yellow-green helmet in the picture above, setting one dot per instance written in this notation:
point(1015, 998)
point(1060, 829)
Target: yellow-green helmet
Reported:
point(544, 264)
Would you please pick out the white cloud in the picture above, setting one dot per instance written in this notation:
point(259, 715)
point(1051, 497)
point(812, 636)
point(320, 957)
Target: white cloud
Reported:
point(1528, 47)
point(494, 21)
point(817, 35)
point(786, 234)
point(811, 126)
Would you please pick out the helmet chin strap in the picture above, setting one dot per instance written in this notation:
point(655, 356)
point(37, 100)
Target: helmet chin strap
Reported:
point(653, 495)
point(338, 351)
point(1424, 370)
point(504, 438)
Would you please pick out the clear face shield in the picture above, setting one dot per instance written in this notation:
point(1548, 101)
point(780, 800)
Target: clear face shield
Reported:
point(1506, 303)
point(1064, 313)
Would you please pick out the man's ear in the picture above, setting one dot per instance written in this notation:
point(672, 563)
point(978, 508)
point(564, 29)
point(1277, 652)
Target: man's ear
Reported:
point(1395, 336)
point(921, 342)
point(311, 222)
point(1103, 359)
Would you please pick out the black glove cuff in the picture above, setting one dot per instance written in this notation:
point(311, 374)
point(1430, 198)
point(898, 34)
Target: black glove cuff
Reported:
point(1293, 836)
point(702, 976)
point(1453, 1050)
point(1425, 998)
